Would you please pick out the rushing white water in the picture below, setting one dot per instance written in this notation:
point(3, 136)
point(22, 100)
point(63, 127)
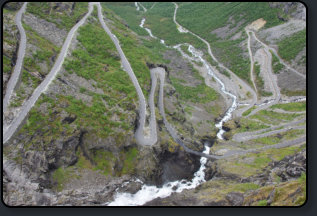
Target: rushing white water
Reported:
point(181, 29)
point(197, 55)
point(150, 192)
point(146, 29)
point(137, 6)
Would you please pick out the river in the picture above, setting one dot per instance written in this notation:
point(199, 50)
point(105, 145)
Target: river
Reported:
point(150, 192)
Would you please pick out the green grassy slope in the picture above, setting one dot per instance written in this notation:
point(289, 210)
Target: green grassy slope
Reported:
point(63, 18)
point(202, 18)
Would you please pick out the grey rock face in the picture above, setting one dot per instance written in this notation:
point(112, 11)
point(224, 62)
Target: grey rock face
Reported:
point(235, 198)
point(46, 29)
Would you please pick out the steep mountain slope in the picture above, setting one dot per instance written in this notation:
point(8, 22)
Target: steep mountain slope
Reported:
point(78, 144)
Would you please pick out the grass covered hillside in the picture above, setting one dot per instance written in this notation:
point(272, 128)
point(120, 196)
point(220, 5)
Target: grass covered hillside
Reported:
point(207, 109)
point(222, 25)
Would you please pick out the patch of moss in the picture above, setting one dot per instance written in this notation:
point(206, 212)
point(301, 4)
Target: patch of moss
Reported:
point(105, 161)
point(61, 176)
point(262, 203)
point(129, 160)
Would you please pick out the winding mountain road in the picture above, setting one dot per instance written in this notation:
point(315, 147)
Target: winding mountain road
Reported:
point(235, 78)
point(45, 83)
point(18, 66)
point(161, 73)
point(281, 60)
point(297, 141)
point(241, 137)
point(150, 137)
point(144, 135)
point(137, 6)
point(251, 60)
point(144, 9)
point(273, 84)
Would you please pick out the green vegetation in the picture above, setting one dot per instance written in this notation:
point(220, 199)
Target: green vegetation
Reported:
point(82, 162)
point(268, 140)
point(223, 71)
point(100, 63)
point(6, 64)
point(210, 60)
point(32, 73)
point(259, 82)
point(97, 116)
point(65, 18)
point(137, 52)
point(148, 5)
point(250, 125)
point(247, 112)
point(291, 193)
point(20, 96)
point(271, 117)
point(8, 39)
point(204, 17)
point(274, 139)
point(253, 163)
point(61, 176)
point(294, 106)
point(129, 160)
point(104, 160)
point(293, 93)
point(277, 66)
point(189, 109)
point(246, 187)
point(198, 94)
point(160, 21)
point(302, 181)
point(184, 48)
point(127, 12)
point(262, 203)
point(230, 54)
point(289, 47)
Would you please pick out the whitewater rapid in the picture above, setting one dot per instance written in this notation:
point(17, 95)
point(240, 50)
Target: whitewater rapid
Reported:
point(210, 71)
point(198, 56)
point(150, 192)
